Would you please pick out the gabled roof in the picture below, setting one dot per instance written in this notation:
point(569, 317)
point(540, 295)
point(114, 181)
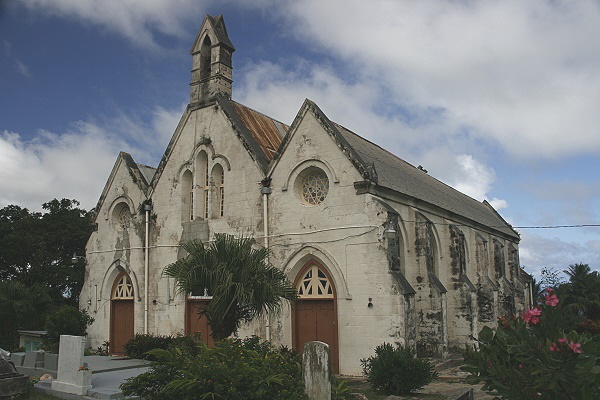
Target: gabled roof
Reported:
point(139, 176)
point(218, 25)
point(259, 134)
point(386, 170)
point(147, 172)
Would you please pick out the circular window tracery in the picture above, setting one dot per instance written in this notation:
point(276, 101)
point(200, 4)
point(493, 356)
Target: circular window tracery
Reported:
point(315, 187)
point(124, 218)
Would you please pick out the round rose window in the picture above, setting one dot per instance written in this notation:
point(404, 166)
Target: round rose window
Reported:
point(315, 187)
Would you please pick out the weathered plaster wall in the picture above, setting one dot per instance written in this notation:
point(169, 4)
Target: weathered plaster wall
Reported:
point(206, 129)
point(111, 249)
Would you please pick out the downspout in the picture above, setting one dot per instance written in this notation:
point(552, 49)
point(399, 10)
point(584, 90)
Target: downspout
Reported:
point(265, 190)
point(147, 207)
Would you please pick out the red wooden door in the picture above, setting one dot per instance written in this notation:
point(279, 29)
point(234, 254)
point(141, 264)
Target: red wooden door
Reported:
point(121, 326)
point(317, 320)
point(194, 322)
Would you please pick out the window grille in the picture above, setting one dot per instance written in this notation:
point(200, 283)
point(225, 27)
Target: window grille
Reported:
point(315, 284)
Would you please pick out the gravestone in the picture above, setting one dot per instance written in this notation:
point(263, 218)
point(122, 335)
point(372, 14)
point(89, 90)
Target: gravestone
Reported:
point(316, 370)
point(72, 375)
point(11, 382)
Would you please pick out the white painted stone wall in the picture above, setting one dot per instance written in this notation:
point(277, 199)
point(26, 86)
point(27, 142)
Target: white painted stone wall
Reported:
point(111, 248)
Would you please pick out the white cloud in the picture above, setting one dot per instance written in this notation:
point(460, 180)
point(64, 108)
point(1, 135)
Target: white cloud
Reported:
point(520, 73)
point(279, 92)
point(537, 252)
point(76, 163)
point(140, 21)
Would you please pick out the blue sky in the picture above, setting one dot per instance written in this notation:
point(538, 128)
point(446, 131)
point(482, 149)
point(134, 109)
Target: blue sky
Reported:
point(498, 99)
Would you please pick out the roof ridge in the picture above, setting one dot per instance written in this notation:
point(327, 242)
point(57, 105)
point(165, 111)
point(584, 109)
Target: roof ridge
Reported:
point(374, 144)
point(406, 162)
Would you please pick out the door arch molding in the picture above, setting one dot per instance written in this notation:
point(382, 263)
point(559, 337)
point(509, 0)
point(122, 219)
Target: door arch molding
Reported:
point(298, 260)
point(110, 275)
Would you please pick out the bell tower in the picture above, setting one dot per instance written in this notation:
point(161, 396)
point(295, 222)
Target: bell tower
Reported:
point(211, 61)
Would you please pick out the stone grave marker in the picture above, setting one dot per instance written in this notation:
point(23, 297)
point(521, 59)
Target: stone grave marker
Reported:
point(316, 370)
point(72, 375)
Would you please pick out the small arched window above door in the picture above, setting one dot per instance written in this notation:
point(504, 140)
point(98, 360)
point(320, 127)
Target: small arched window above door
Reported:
point(123, 289)
point(314, 284)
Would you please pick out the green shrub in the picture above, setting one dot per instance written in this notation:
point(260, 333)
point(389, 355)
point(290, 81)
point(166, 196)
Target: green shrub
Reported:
point(395, 370)
point(66, 320)
point(534, 356)
point(139, 345)
point(233, 369)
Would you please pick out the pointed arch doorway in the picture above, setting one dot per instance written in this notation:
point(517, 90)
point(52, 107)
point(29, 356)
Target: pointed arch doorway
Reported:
point(315, 312)
point(121, 313)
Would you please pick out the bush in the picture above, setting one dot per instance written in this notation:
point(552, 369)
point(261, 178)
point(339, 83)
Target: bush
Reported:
point(139, 345)
point(66, 320)
point(396, 370)
point(532, 356)
point(233, 369)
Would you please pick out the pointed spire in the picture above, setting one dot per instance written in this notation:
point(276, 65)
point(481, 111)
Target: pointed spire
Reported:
point(211, 61)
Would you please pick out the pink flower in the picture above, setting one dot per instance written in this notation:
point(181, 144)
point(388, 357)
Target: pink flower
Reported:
point(563, 340)
point(576, 347)
point(532, 316)
point(554, 347)
point(520, 365)
point(551, 300)
point(549, 290)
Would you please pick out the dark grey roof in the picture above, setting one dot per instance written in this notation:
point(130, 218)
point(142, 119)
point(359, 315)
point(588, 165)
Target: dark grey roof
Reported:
point(398, 175)
point(147, 172)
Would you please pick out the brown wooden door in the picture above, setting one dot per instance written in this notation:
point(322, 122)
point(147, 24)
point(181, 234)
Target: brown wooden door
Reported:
point(317, 320)
point(194, 322)
point(121, 325)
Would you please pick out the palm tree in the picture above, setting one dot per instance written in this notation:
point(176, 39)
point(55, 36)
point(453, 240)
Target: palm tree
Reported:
point(582, 294)
point(237, 275)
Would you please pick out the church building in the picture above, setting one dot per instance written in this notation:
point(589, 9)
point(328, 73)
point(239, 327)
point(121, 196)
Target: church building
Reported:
point(380, 251)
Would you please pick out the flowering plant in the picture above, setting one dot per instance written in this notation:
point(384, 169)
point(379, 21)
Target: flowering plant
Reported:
point(535, 356)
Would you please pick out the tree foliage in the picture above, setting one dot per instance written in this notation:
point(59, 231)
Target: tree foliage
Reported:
point(21, 307)
point(66, 320)
point(236, 273)
point(581, 295)
point(36, 248)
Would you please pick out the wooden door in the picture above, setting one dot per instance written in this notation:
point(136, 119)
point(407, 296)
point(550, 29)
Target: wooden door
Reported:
point(316, 320)
point(194, 322)
point(121, 325)
point(315, 314)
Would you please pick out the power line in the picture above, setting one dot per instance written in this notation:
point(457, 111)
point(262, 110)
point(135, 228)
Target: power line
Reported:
point(558, 226)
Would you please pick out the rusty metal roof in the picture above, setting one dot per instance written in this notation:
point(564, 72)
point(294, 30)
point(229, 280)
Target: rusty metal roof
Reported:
point(267, 132)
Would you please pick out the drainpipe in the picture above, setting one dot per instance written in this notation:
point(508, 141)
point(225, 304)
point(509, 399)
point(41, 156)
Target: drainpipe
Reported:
point(147, 207)
point(265, 190)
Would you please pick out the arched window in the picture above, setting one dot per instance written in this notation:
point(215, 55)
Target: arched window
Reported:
point(121, 217)
point(205, 58)
point(218, 180)
point(481, 254)
point(187, 196)
point(203, 184)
